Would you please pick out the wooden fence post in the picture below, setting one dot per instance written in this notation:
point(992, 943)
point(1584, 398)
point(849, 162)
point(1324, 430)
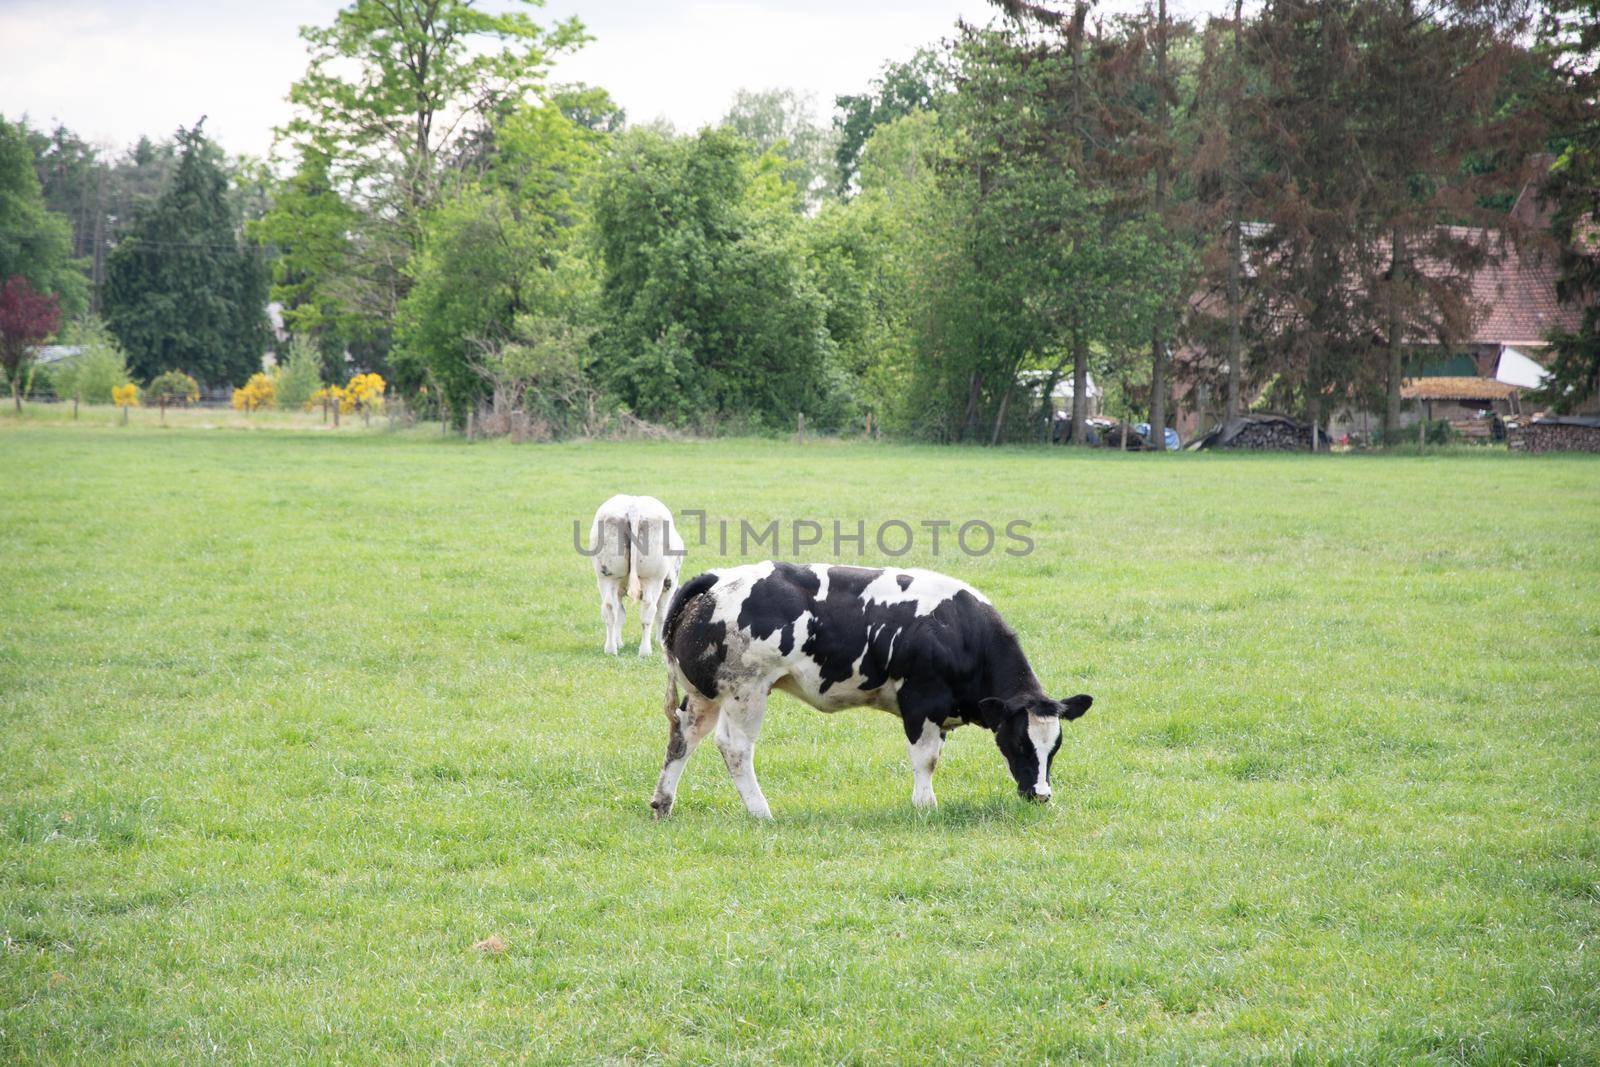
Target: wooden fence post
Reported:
point(1422, 434)
point(471, 426)
point(125, 414)
point(800, 427)
point(75, 398)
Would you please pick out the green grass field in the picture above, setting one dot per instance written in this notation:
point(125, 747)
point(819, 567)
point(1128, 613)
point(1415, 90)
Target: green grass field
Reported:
point(292, 720)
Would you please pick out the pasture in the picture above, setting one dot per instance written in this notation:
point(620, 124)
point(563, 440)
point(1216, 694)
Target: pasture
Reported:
point(293, 720)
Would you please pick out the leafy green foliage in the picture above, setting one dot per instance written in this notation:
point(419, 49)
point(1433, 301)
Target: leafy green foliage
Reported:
point(500, 248)
point(99, 368)
point(172, 387)
point(310, 227)
point(35, 243)
point(300, 375)
point(1571, 36)
point(780, 121)
point(710, 311)
point(183, 291)
point(901, 89)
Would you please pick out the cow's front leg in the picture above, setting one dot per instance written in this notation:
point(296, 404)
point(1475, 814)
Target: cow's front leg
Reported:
point(690, 723)
point(737, 732)
point(924, 749)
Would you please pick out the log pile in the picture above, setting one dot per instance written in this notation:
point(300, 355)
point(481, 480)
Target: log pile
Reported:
point(1569, 434)
point(1112, 436)
point(1261, 433)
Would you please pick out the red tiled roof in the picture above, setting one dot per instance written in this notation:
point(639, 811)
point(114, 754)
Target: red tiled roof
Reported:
point(1516, 297)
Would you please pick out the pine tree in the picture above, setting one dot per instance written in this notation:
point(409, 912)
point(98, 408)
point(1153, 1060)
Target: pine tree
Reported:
point(183, 290)
point(1571, 35)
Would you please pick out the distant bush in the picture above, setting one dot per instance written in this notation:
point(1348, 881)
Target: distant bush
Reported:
point(173, 387)
point(96, 371)
point(301, 374)
point(255, 394)
point(125, 396)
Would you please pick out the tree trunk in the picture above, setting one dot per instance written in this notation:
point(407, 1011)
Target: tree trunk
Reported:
point(1000, 418)
point(1391, 408)
point(970, 420)
point(16, 389)
point(1080, 389)
point(1235, 233)
point(1235, 356)
point(1158, 369)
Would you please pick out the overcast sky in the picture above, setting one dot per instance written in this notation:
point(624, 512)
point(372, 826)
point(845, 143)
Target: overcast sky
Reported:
point(113, 69)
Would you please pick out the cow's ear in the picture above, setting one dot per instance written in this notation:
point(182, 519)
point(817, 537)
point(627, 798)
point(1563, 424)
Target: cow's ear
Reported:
point(1074, 707)
point(994, 707)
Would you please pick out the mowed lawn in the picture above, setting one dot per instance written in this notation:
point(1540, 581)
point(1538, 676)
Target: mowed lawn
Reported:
point(290, 721)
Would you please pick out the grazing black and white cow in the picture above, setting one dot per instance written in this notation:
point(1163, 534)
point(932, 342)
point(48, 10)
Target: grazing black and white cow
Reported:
point(921, 645)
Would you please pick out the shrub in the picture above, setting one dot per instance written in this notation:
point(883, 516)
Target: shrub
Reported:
point(125, 396)
point(98, 370)
point(366, 391)
point(255, 394)
point(301, 376)
point(173, 387)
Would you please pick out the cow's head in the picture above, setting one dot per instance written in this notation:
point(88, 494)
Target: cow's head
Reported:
point(1029, 733)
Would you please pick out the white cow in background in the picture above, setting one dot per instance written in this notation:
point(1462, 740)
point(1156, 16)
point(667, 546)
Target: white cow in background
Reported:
point(634, 545)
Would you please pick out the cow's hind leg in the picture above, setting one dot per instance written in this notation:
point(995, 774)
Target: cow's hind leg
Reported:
point(691, 721)
point(736, 737)
point(612, 612)
point(649, 600)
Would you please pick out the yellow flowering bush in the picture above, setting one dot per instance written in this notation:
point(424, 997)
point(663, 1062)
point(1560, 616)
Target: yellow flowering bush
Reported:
point(330, 392)
point(255, 394)
point(125, 396)
point(364, 390)
point(367, 390)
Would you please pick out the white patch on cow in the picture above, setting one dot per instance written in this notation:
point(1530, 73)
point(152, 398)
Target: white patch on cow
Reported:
point(1043, 731)
point(927, 589)
point(924, 758)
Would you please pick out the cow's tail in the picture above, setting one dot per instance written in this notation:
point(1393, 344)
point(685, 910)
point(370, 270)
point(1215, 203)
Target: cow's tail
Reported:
point(638, 540)
point(671, 706)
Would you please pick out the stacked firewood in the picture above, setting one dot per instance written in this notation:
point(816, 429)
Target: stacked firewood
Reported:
point(1555, 435)
point(1261, 433)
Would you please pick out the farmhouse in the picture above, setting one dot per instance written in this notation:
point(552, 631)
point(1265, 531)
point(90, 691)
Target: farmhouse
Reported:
point(1514, 309)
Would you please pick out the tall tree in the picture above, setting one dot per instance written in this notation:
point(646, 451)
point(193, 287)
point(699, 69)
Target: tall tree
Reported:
point(183, 289)
point(394, 94)
point(1162, 144)
point(710, 310)
point(1429, 82)
point(1034, 256)
point(35, 242)
point(1570, 35)
point(309, 226)
point(900, 89)
point(781, 121)
point(500, 253)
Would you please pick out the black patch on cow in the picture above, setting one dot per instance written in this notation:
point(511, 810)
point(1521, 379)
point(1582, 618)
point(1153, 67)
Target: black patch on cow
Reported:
point(692, 640)
point(845, 625)
point(777, 601)
point(904, 581)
